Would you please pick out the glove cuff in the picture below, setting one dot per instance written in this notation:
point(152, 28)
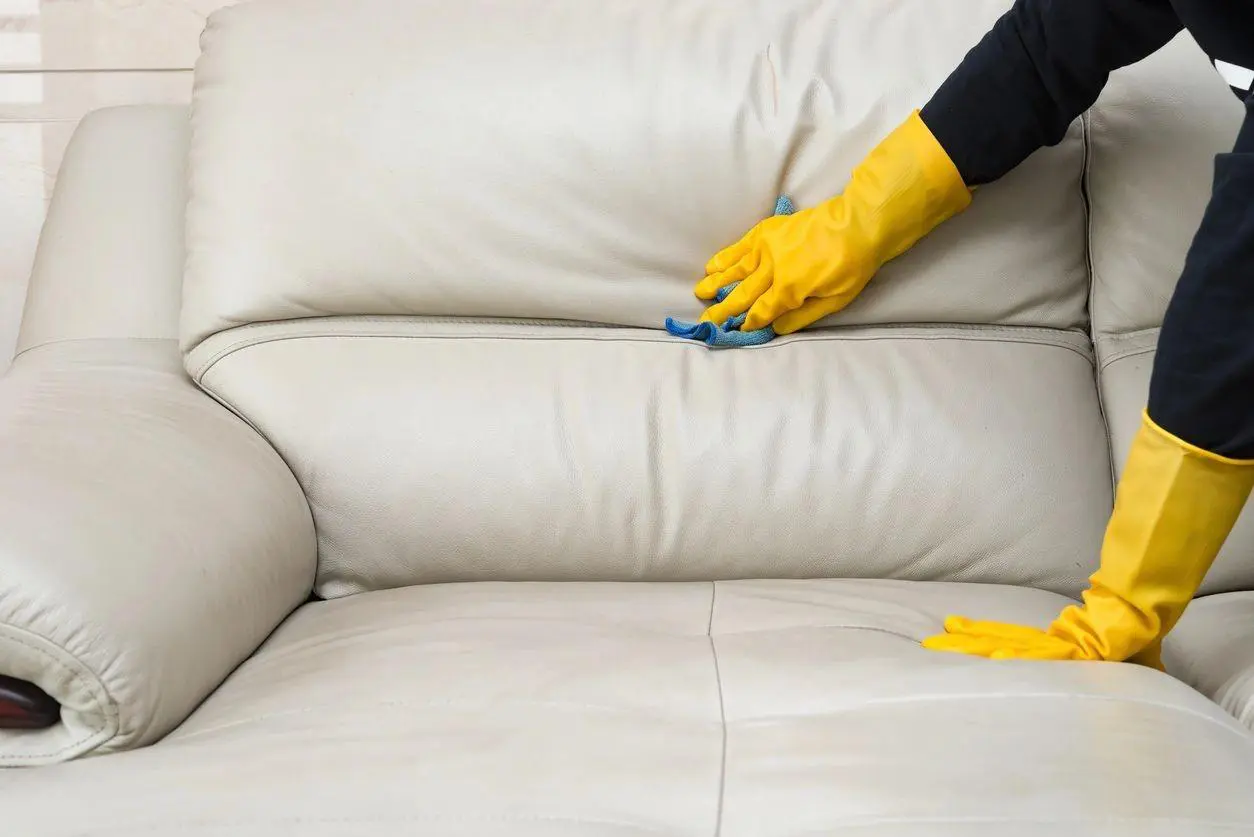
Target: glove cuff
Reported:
point(1148, 425)
point(906, 187)
point(1174, 508)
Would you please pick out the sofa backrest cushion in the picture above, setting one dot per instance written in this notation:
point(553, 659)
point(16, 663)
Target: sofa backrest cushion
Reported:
point(580, 161)
point(432, 245)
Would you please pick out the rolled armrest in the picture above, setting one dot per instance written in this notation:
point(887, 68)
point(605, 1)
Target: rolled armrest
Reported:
point(1212, 649)
point(149, 542)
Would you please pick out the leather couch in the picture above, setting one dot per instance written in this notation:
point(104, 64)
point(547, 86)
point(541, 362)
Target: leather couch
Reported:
point(350, 486)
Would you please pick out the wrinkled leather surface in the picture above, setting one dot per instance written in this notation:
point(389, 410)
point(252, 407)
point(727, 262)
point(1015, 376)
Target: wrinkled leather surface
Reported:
point(746, 709)
point(111, 251)
point(149, 541)
point(1126, 363)
point(1212, 649)
point(430, 158)
point(1153, 136)
point(457, 452)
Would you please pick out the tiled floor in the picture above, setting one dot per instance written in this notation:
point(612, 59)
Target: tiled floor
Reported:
point(60, 59)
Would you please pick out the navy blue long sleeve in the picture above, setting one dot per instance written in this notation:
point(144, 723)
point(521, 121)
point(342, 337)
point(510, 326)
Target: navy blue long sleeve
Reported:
point(1202, 387)
point(1043, 64)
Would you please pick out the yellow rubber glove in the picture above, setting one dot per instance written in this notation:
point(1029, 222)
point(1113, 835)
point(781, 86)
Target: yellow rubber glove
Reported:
point(796, 269)
point(1175, 506)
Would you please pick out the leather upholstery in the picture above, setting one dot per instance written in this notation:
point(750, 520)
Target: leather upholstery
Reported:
point(448, 445)
point(111, 253)
point(513, 456)
point(746, 709)
point(149, 540)
point(488, 177)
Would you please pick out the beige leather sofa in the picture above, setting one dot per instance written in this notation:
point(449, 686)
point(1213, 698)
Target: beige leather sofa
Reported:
point(573, 576)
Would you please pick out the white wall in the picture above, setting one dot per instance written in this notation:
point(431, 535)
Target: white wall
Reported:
point(60, 59)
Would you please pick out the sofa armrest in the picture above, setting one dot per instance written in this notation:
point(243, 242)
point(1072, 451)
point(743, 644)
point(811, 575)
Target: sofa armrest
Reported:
point(1212, 649)
point(149, 542)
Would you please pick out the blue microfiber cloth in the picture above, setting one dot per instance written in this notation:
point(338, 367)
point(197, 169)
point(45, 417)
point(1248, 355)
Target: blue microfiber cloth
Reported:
point(728, 335)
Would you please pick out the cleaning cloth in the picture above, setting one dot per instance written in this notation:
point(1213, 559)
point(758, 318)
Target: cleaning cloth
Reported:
point(728, 335)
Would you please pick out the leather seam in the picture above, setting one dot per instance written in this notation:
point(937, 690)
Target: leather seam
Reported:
point(1129, 335)
point(1086, 163)
point(306, 326)
point(1086, 146)
point(1136, 338)
point(305, 323)
point(722, 714)
point(60, 341)
point(108, 708)
point(1125, 354)
point(980, 335)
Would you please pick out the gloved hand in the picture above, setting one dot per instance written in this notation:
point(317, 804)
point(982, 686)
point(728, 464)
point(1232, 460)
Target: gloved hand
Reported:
point(795, 270)
point(1174, 508)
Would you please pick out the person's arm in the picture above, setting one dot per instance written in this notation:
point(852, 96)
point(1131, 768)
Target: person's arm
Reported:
point(1191, 468)
point(1041, 65)
point(1202, 386)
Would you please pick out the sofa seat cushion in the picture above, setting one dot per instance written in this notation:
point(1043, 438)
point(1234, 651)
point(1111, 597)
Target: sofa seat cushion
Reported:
point(734, 708)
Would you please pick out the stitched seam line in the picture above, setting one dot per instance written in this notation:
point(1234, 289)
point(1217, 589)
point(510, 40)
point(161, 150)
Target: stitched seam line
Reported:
point(107, 707)
point(1130, 335)
point(1148, 350)
point(978, 335)
point(1135, 338)
point(306, 326)
point(1086, 159)
point(1091, 270)
point(305, 323)
point(1027, 338)
point(61, 341)
point(722, 714)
